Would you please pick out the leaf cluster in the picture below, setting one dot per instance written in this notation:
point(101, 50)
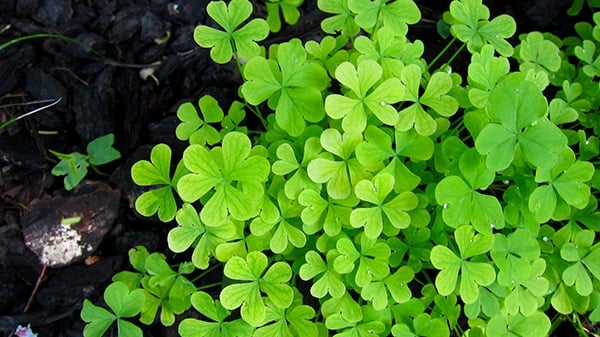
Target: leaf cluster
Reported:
point(383, 195)
point(74, 166)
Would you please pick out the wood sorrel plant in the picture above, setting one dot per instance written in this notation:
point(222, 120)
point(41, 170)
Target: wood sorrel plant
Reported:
point(384, 196)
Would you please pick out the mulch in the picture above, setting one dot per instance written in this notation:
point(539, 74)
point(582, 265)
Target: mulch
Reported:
point(102, 91)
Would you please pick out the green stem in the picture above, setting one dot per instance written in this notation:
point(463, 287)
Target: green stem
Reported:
point(49, 35)
point(257, 113)
point(206, 272)
point(556, 322)
point(442, 52)
point(80, 44)
point(252, 108)
point(578, 325)
point(208, 286)
point(454, 55)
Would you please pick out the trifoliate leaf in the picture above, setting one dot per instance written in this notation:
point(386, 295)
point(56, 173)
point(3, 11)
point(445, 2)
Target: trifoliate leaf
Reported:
point(157, 172)
point(341, 175)
point(355, 109)
point(342, 21)
point(469, 23)
point(472, 274)
point(216, 170)
point(218, 327)
point(289, 11)
point(292, 85)
point(73, 166)
point(223, 42)
point(435, 97)
point(327, 215)
point(394, 15)
point(197, 129)
point(392, 212)
point(328, 283)
point(248, 294)
point(538, 54)
point(485, 71)
point(462, 205)
point(518, 325)
point(517, 110)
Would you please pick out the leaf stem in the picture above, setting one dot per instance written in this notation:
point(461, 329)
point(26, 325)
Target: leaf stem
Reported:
point(208, 286)
point(252, 108)
point(556, 322)
point(578, 325)
point(455, 54)
point(206, 272)
point(442, 52)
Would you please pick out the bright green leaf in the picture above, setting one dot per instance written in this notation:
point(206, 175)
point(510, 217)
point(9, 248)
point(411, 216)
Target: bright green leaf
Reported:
point(224, 42)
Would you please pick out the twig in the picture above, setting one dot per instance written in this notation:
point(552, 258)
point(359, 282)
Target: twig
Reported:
point(37, 285)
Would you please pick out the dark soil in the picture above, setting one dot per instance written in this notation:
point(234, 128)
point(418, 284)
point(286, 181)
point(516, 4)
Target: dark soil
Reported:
point(102, 92)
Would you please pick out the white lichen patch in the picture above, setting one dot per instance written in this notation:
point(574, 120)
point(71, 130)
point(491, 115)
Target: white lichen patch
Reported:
point(60, 246)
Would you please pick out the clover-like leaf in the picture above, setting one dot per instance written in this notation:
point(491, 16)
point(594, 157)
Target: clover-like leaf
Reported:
point(513, 255)
point(289, 11)
point(392, 14)
point(462, 205)
point(340, 175)
point(196, 129)
point(234, 116)
point(434, 97)
point(355, 108)
point(73, 166)
point(485, 71)
point(469, 23)
point(518, 325)
point(156, 172)
point(342, 20)
point(525, 297)
point(587, 53)
point(283, 228)
point(294, 321)
point(166, 289)
point(372, 262)
point(329, 52)
point(218, 327)
point(248, 294)
point(472, 274)
point(287, 164)
point(232, 38)
point(582, 255)
point(328, 215)
point(538, 54)
point(517, 109)
point(216, 170)
point(192, 232)
point(101, 151)
point(123, 302)
point(384, 212)
point(566, 184)
point(388, 50)
point(378, 148)
point(291, 85)
point(328, 283)
point(395, 285)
